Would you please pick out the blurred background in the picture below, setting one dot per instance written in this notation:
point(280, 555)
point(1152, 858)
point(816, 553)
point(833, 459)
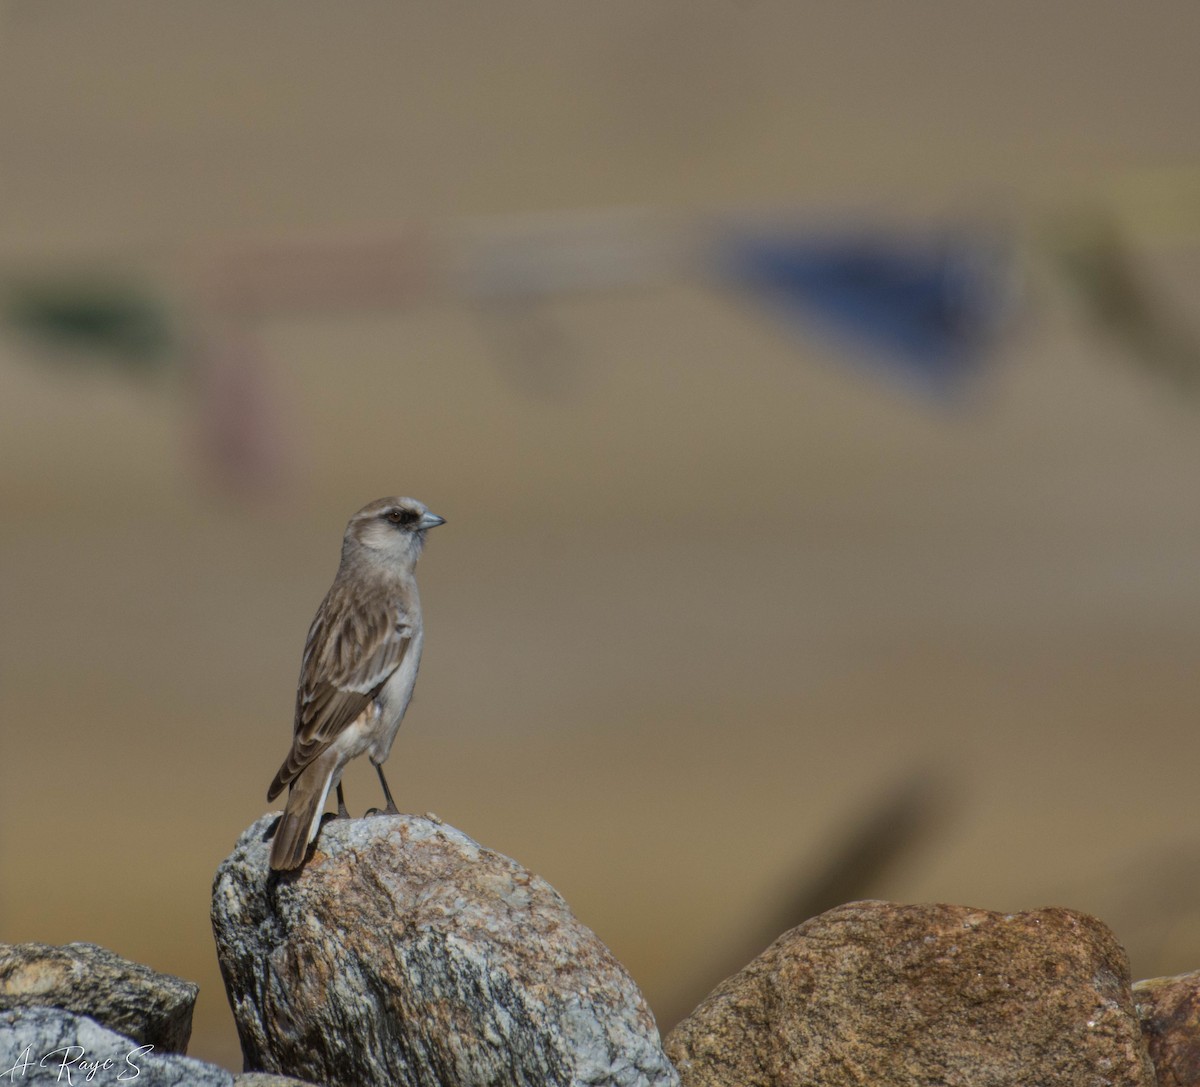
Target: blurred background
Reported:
point(808, 389)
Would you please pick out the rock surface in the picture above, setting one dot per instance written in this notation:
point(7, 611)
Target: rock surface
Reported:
point(50, 1045)
point(1169, 1009)
point(876, 993)
point(404, 953)
point(267, 1079)
point(153, 1009)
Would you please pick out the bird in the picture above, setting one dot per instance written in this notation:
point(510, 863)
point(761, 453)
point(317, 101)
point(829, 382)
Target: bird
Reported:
point(360, 664)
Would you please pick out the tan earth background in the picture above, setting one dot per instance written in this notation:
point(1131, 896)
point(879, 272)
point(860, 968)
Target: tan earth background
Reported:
point(723, 626)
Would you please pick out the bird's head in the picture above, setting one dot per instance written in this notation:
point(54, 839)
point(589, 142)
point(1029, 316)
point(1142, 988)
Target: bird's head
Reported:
point(390, 530)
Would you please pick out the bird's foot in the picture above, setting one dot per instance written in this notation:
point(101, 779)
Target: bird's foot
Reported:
point(391, 808)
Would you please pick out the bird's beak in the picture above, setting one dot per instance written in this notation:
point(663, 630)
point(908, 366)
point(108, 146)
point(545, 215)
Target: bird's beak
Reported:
point(430, 520)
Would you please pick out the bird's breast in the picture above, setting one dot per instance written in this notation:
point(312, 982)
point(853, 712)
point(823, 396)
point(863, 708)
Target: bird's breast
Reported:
point(393, 700)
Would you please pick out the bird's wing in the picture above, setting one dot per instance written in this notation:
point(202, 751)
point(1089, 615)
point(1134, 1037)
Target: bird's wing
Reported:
point(353, 647)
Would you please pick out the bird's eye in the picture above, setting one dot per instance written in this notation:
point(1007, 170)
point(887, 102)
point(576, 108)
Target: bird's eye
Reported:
point(402, 517)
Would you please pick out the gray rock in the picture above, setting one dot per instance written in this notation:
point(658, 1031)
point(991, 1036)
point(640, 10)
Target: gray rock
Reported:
point(267, 1079)
point(50, 1045)
point(404, 953)
point(153, 1009)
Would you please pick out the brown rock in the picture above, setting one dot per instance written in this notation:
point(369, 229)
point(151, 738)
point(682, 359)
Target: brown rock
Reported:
point(404, 953)
point(876, 993)
point(151, 1008)
point(1169, 1009)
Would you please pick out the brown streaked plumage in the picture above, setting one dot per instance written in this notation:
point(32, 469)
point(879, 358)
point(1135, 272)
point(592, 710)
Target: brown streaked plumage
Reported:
point(360, 663)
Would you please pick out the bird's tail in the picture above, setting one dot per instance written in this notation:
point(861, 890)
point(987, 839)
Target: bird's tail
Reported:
point(301, 818)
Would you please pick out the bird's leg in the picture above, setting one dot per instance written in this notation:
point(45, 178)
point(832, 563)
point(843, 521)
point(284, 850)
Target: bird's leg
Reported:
point(391, 808)
point(342, 812)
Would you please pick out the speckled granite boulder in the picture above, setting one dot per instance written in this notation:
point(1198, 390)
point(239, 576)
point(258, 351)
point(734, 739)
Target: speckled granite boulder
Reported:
point(267, 1079)
point(405, 953)
point(50, 1045)
point(153, 1009)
